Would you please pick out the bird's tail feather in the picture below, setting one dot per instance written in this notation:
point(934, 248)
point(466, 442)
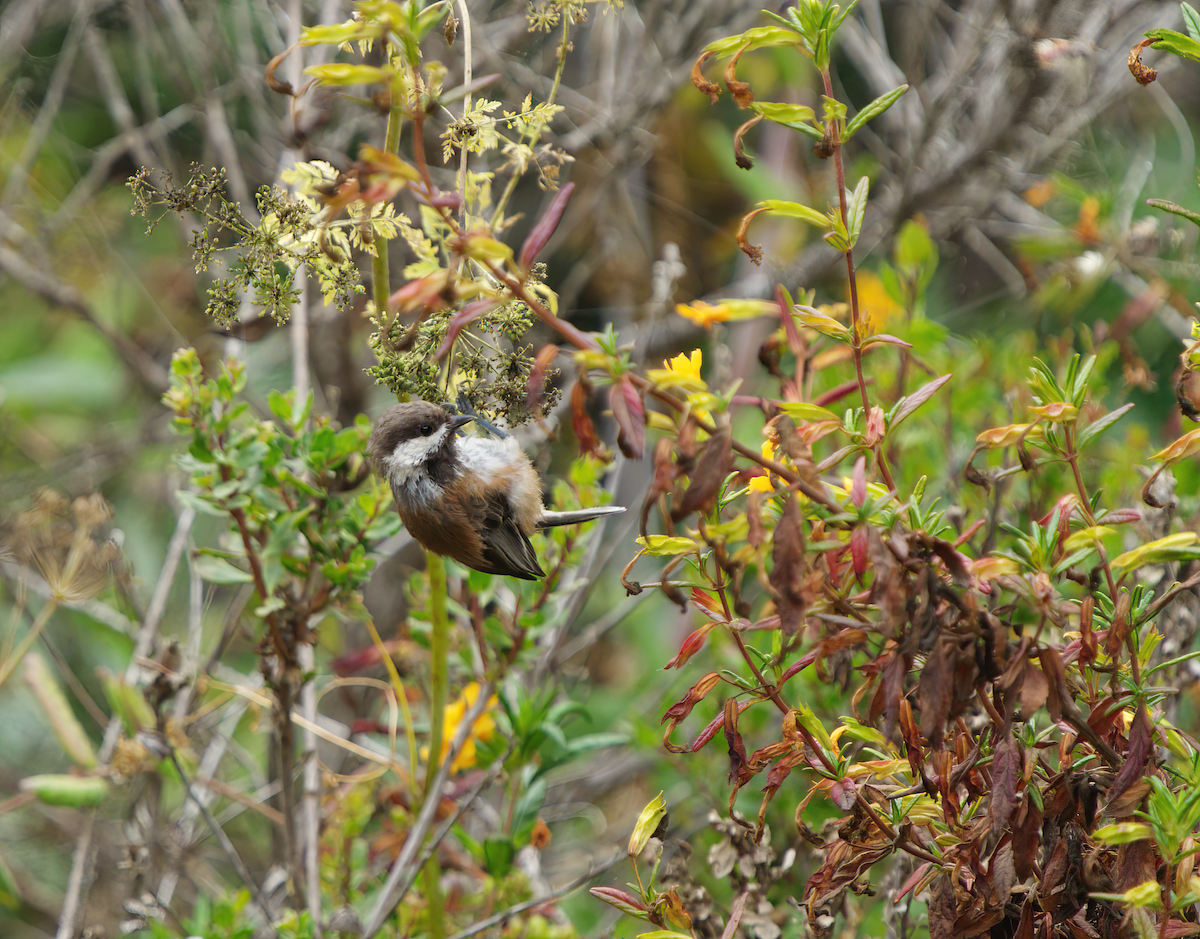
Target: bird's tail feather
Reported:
point(551, 519)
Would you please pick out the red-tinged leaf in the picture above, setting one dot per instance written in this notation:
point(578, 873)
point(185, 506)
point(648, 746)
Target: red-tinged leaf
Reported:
point(445, 200)
point(875, 426)
point(1177, 929)
point(623, 901)
point(735, 916)
point(891, 340)
point(917, 398)
point(582, 423)
point(794, 341)
point(1136, 864)
point(1120, 626)
point(459, 321)
point(1056, 678)
point(1027, 831)
point(837, 393)
point(788, 570)
point(943, 910)
point(682, 708)
point(542, 231)
point(738, 767)
point(843, 793)
point(691, 645)
point(858, 482)
point(536, 385)
point(858, 550)
point(1088, 645)
point(913, 879)
point(1119, 517)
point(424, 292)
point(630, 414)
point(703, 598)
point(1035, 689)
point(366, 725)
point(756, 533)
point(713, 465)
point(1137, 756)
point(1006, 765)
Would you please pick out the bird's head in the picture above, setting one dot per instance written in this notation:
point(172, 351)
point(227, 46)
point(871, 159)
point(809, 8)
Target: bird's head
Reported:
point(409, 435)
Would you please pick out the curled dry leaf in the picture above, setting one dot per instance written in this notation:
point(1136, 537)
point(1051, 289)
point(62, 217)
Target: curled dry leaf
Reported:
point(714, 464)
point(702, 84)
point(789, 567)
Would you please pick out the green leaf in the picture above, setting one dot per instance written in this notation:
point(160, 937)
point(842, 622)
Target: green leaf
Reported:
point(588, 742)
point(795, 210)
point(1174, 209)
point(1122, 833)
point(647, 823)
point(666, 545)
point(874, 109)
point(808, 412)
point(335, 34)
point(1099, 426)
point(199, 503)
point(341, 73)
point(220, 571)
point(1168, 40)
point(1191, 19)
point(74, 791)
point(757, 38)
point(1181, 546)
point(856, 209)
point(498, 853)
point(825, 325)
point(795, 116)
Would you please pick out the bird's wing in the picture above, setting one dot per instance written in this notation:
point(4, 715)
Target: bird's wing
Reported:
point(505, 546)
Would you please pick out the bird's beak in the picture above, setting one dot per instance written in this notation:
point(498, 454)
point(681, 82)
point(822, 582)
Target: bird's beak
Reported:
point(458, 420)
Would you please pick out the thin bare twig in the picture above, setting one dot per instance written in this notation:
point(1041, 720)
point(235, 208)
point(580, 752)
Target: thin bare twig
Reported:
point(83, 860)
point(537, 901)
point(403, 869)
point(227, 846)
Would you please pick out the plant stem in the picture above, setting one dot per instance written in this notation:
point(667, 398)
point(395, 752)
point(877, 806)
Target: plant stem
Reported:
point(855, 332)
point(380, 287)
point(15, 657)
point(563, 47)
point(439, 653)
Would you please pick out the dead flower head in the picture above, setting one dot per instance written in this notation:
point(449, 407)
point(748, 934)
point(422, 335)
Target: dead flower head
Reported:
point(67, 543)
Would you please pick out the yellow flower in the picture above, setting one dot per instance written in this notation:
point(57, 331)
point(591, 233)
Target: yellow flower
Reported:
point(763, 483)
point(683, 371)
point(875, 304)
point(704, 314)
point(483, 729)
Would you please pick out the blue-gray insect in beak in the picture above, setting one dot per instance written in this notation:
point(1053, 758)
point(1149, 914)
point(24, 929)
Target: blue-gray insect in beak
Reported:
point(458, 420)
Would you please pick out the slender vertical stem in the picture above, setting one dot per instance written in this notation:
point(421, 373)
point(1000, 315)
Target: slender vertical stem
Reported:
point(380, 288)
point(439, 652)
point(467, 76)
point(855, 333)
point(14, 658)
point(563, 48)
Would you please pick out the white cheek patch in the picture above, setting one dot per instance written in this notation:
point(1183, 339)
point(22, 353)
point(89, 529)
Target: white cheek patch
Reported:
point(408, 456)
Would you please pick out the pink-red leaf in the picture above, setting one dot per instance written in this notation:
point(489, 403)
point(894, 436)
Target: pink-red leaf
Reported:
point(545, 227)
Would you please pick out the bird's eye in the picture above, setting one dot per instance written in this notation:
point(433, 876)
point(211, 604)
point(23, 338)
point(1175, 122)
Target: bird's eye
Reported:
point(426, 430)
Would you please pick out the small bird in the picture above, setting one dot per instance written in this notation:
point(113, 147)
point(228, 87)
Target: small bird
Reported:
point(474, 499)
